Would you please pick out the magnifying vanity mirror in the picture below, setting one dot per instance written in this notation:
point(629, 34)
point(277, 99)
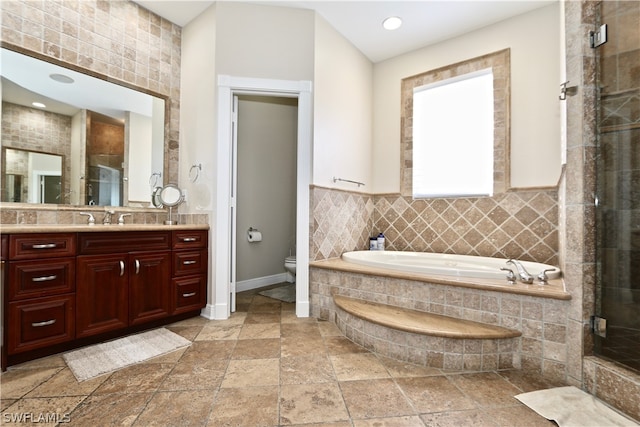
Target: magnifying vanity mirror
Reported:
point(170, 196)
point(74, 139)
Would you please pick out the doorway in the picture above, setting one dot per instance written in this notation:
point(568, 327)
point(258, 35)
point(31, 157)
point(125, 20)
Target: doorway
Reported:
point(265, 147)
point(224, 285)
point(618, 198)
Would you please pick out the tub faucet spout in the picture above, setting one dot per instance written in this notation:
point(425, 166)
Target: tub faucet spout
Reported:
point(524, 275)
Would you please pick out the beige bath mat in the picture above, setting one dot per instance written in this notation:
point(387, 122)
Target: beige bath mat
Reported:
point(570, 406)
point(90, 362)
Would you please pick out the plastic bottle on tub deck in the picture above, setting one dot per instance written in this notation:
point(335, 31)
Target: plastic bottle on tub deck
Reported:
point(373, 243)
point(380, 242)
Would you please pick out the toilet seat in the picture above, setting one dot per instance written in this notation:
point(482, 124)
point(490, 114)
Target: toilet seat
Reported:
point(291, 259)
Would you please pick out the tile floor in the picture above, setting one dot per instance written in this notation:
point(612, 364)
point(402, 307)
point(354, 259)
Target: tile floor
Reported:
point(265, 367)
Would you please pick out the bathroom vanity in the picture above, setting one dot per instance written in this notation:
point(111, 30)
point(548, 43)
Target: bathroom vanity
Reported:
point(68, 286)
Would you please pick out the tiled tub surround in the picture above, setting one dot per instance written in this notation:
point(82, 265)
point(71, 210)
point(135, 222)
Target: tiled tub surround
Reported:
point(542, 321)
point(519, 224)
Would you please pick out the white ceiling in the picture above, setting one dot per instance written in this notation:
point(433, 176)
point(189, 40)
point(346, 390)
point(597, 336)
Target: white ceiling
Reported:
point(425, 22)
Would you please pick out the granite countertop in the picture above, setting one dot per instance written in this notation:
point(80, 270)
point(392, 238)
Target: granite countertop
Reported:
point(72, 228)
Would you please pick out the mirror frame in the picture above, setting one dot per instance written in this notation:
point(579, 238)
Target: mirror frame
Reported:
point(174, 203)
point(91, 73)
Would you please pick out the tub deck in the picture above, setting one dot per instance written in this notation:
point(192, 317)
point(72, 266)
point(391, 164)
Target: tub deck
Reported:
point(554, 289)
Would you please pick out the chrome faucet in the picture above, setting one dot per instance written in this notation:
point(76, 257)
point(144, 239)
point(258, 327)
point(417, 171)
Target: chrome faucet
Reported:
point(524, 275)
point(90, 219)
point(121, 218)
point(107, 217)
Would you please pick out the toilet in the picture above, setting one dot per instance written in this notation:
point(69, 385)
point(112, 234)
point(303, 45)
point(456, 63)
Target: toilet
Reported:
point(290, 266)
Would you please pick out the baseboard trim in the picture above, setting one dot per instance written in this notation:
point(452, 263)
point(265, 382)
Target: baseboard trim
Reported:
point(260, 282)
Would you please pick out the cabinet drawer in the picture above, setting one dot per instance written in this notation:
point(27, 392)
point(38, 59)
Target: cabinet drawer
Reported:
point(189, 239)
point(26, 246)
point(40, 323)
point(190, 293)
point(118, 242)
point(45, 277)
point(189, 262)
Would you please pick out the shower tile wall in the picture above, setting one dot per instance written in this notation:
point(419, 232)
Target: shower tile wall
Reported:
point(522, 224)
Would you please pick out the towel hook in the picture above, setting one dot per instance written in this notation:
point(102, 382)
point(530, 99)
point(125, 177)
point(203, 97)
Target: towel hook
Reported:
point(194, 176)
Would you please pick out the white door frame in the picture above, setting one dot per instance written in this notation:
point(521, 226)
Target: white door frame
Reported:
point(227, 87)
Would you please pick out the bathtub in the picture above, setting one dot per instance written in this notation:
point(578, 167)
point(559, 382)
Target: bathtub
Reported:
point(445, 264)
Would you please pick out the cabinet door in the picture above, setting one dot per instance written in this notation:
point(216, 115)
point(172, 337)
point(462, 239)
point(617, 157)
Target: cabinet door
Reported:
point(149, 286)
point(101, 294)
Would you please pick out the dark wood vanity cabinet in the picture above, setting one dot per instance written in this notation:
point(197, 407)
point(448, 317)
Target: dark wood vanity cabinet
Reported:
point(189, 270)
point(39, 291)
point(63, 290)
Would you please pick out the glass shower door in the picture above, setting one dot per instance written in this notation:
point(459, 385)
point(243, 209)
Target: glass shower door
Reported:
point(618, 185)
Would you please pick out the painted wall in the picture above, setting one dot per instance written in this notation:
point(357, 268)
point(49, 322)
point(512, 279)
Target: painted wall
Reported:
point(343, 102)
point(267, 138)
point(264, 41)
point(535, 108)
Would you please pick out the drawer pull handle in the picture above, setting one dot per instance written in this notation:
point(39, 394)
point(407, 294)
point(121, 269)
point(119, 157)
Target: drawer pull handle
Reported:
point(189, 239)
point(45, 323)
point(121, 268)
point(190, 294)
point(44, 246)
point(45, 278)
point(137, 266)
point(189, 262)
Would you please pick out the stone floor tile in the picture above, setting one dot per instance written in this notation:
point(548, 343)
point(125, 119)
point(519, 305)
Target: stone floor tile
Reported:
point(252, 373)
point(351, 367)
point(341, 345)
point(306, 369)
point(18, 382)
point(179, 408)
point(245, 406)
point(257, 349)
point(311, 403)
point(434, 394)
point(260, 331)
point(400, 369)
point(407, 421)
point(114, 409)
point(64, 383)
point(300, 346)
point(195, 375)
point(471, 418)
point(375, 398)
point(135, 379)
point(487, 389)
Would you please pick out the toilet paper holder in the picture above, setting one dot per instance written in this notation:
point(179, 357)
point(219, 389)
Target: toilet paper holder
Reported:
point(253, 235)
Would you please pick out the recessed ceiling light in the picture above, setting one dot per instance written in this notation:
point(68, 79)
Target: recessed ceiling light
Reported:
point(38, 104)
point(392, 23)
point(61, 78)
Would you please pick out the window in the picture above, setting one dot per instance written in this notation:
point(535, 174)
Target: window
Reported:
point(494, 148)
point(453, 137)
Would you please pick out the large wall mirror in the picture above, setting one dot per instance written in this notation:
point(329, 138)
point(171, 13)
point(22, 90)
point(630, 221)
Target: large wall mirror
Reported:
point(74, 139)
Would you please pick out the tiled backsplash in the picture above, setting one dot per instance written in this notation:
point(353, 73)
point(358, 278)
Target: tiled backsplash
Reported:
point(516, 224)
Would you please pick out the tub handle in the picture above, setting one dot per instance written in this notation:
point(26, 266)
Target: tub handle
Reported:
point(511, 277)
point(543, 279)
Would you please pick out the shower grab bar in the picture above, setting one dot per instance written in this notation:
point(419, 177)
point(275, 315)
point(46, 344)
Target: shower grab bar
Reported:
point(348, 180)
